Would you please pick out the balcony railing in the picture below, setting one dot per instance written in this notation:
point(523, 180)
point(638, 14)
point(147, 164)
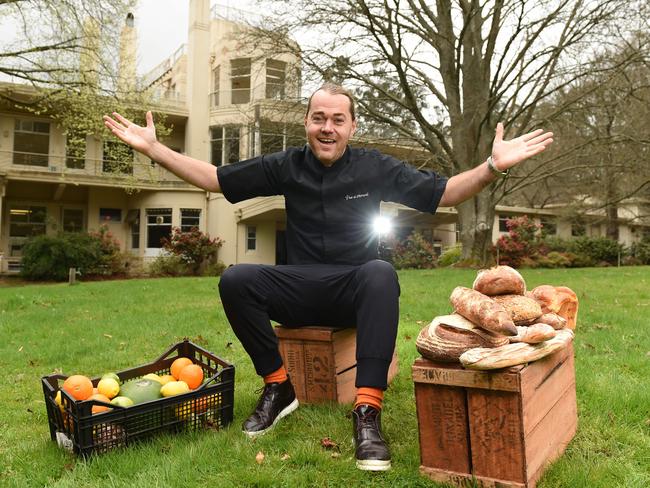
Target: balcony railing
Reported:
point(262, 92)
point(12, 163)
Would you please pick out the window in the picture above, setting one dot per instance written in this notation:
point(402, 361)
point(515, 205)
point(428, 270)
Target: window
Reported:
point(503, 222)
point(31, 142)
point(272, 137)
point(240, 80)
point(549, 226)
point(578, 229)
point(118, 158)
point(275, 78)
point(110, 215)
point(133, 218)
point(75, 150)
point(224, 144)
point(25, 221)
point(73, 220)
point(251, 238)
point(190, 217)
point(277, 137)
point(214, 96)
point(159, 225)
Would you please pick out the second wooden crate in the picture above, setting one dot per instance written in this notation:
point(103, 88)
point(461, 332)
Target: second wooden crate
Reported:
point(321, 362)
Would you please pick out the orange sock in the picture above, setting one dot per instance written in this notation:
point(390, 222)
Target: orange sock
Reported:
point(369, 396)
point(278, 376)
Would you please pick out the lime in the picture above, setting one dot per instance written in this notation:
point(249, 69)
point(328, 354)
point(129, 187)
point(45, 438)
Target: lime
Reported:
point(122, 401)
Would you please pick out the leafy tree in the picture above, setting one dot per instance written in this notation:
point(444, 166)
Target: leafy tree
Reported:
point(442, 74)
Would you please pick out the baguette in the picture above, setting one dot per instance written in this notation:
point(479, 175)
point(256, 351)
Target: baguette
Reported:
point(513, 354)
point(533, 334)
point(482, 311)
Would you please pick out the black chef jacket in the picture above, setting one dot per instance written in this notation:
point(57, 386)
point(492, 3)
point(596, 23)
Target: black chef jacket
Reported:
point(330, 210)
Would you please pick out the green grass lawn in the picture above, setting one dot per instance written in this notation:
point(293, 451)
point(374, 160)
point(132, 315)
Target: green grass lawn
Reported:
point(93, 328)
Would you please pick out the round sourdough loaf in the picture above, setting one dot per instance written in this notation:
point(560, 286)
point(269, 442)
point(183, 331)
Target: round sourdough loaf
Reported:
point(523, 310)
point(449, 336)
point(500, 280)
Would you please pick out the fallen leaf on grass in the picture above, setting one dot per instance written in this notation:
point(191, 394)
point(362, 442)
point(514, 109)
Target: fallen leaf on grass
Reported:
point(20, 349)
point(108, 336)
point(259, 458)
point(336, 455)
point(329, 444)
point(285, 457)
point(407, 337)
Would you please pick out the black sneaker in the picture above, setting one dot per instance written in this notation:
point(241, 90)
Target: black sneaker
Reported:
point(371, 451)
point(277, 400)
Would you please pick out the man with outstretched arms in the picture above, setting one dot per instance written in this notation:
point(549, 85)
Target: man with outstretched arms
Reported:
point(333, 276)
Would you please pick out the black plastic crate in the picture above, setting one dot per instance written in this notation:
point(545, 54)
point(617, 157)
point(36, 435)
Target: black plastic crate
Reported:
point(210, 406)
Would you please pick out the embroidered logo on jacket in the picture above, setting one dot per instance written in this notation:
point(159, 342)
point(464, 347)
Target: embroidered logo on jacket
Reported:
point(354, 197)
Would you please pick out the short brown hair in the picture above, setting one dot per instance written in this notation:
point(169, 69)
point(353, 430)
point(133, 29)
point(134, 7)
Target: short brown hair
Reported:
point(335, 89)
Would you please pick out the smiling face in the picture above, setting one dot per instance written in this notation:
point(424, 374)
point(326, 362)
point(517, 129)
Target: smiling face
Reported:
point(329, 126)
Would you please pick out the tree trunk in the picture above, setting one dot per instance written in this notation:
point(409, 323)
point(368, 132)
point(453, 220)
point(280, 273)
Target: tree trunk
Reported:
point(476, 219)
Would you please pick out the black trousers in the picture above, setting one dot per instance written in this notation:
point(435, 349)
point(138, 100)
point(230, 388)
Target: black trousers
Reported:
point(365, 296)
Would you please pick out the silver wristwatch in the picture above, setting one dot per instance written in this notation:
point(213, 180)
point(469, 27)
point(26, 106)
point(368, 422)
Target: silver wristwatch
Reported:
point(494, 170)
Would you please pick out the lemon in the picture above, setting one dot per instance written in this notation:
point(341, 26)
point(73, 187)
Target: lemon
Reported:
point(108, 387)
point(59, 401)
point(122, 401)
point(166, 378)
point(112, 376)
point(152, 376)
point(174, 388)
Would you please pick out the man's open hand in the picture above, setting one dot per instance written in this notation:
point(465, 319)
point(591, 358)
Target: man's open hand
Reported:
point(139, 138)
point(506, 154)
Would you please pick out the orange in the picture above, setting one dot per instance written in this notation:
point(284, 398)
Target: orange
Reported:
point(192, 374)
point(178, 365)
point(100, 398)
point(78, 387)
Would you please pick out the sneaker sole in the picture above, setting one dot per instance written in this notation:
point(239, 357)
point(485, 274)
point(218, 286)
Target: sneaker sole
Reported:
point(373, 465)
point(283, 413)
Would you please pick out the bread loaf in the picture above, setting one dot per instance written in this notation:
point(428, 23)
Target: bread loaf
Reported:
point(513, 354)
point(557, 299)
point(553, 319)
point(533, 334)
point(482, 311)
point(440, 341)
point(499, 280)
point(523, 310)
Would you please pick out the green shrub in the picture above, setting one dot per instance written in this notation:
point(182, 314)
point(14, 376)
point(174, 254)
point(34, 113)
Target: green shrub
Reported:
point(50, 257)
point(415, 252)
point(196, 249)
point(555, 259)
point(169, 265)
point(597, 249)
point(640, 251)
point(450, 256)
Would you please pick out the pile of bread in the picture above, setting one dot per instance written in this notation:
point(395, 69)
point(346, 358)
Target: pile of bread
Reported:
point(498, 324)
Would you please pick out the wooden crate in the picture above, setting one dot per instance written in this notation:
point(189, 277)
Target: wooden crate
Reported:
point(321, 362)
point(494, 429)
